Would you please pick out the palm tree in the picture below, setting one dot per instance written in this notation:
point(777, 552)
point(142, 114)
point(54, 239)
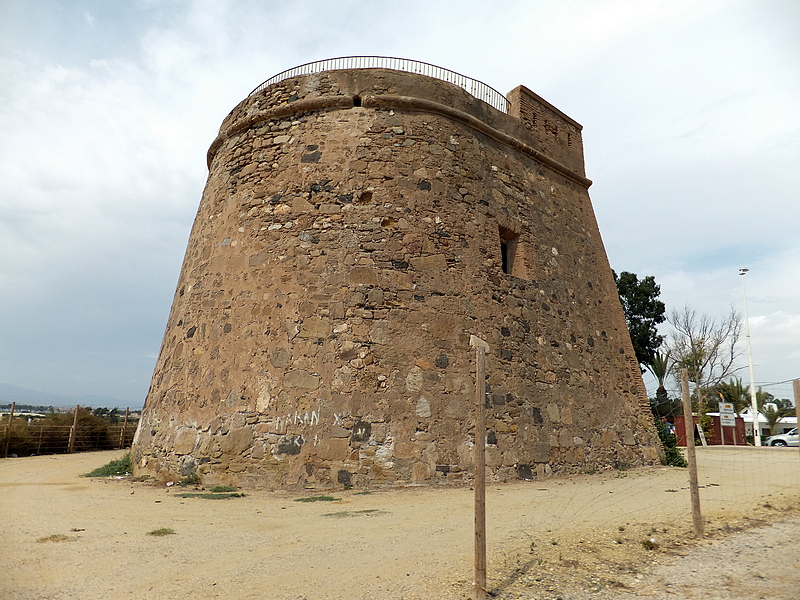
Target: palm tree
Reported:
point(659, 367)
point(773, 409)
point(662, 405)
point(733, 392)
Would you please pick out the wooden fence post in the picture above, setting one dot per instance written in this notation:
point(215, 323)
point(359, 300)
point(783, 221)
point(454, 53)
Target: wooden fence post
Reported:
point(8, 429)
point(480, 466)
point(124, 425)
point(72, 431)
point(796, 388)
point(694, 490)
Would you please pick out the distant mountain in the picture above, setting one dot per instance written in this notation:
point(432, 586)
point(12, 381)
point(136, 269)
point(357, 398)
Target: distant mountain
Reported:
point(13, 393)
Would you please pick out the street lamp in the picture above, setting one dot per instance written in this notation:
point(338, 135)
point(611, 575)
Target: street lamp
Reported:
point(753, 402)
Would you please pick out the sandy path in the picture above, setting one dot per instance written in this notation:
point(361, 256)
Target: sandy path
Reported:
point(581, 533)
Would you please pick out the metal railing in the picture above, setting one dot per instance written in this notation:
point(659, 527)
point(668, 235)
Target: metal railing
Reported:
point(476, 88)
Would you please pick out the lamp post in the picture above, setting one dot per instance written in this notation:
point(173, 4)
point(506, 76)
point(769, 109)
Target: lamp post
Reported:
point(753, 402)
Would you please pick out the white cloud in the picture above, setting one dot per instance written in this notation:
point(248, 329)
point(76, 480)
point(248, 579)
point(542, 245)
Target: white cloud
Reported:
point(691, 134)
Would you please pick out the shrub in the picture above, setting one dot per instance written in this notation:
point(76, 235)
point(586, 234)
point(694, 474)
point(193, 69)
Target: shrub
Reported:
point(672, 454)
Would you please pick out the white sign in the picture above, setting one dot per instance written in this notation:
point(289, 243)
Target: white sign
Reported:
point(726, 408)
point(727, 420)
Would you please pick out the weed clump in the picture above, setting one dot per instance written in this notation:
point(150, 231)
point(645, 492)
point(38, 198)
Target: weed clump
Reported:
point(317, 499)
point(354, 513)
point(193, 479)
point(57, 537)
point(122, 466)
point(649, 543)
point(161, 532)
point(210, 495)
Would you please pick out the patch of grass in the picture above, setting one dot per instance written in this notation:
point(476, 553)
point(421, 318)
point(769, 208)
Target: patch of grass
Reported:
point(221, 488)
point(210, 495)
point(193, 479)
point(57, 537)
point(317, 499)
point(362, 493)
point(115, 467)
point(161, 532)
point(355, 513)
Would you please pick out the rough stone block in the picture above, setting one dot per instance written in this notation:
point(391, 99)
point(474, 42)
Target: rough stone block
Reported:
point(237, 441)
point(301, 379)
point(434, 262)
point(315, 327)
point(363, 275)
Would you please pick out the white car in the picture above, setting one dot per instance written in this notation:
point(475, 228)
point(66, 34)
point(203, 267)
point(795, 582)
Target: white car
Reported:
point(783, 439)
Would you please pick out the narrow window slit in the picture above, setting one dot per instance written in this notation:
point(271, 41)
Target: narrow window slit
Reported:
point(512, 260)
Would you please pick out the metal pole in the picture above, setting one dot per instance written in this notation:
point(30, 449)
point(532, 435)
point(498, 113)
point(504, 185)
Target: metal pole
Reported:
point(480, 467)
point(694, 490)
point(753, 402)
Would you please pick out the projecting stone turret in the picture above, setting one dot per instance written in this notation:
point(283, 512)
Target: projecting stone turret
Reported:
point(357, 226)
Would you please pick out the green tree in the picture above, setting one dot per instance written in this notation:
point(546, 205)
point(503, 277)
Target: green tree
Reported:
point(643, 313)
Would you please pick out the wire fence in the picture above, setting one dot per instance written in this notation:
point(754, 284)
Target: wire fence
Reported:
point(36, 439)
point(476, 88)
point(63, 433)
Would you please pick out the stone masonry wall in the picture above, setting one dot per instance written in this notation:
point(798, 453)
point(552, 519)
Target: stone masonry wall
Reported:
point(356, 228)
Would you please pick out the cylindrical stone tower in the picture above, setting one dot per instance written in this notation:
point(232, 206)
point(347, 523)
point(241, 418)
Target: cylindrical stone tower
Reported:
point(357, 226)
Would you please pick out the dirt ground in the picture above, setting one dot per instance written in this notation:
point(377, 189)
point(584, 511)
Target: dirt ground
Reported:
point(612, 535)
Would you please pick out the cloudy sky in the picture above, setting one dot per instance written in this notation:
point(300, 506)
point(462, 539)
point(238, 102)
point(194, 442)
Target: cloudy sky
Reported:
point(690, 108)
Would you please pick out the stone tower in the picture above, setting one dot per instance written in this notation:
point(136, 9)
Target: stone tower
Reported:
point(357, 226)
